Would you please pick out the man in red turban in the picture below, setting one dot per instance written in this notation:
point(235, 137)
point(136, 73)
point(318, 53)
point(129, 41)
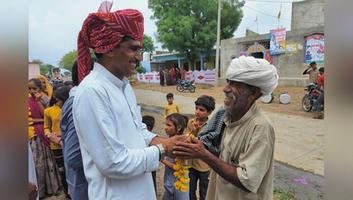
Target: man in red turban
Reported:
point(118, 152)
point(102, 32)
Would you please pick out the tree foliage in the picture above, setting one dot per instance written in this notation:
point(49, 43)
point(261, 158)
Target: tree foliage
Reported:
point(147, 44)
point(68, 60)
point(37, 61)
point(43, 67)
point(190, 27)
point(140, 69)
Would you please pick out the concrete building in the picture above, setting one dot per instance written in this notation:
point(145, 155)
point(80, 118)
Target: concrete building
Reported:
point(307, 24)
point(169, 59)
point(33, 70)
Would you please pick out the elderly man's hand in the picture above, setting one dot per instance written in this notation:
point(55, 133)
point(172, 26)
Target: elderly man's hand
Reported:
point(193, 148)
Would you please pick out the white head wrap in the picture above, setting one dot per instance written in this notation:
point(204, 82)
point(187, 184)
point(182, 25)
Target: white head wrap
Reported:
point(255, 72)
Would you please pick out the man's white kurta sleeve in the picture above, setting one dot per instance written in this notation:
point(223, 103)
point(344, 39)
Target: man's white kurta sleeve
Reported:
point(147, 135)
point(97, 132)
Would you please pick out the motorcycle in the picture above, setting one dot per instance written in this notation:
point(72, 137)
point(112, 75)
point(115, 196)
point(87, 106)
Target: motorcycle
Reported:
point(310, 97)
point(183, 85)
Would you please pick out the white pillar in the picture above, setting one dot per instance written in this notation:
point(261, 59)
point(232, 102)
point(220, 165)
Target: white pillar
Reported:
point(218, 40)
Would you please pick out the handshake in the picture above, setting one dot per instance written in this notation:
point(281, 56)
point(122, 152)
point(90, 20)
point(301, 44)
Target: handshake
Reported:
point(182, 146)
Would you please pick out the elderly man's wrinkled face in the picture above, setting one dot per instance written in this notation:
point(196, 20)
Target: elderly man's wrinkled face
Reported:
point(238, 96)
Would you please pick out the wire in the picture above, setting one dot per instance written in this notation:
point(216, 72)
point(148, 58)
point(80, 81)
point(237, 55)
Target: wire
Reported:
point(261, 12)
point(272, 1)
point(269, 1)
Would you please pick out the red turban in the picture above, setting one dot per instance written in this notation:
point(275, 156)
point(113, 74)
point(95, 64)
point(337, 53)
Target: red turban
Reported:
point(103, 32)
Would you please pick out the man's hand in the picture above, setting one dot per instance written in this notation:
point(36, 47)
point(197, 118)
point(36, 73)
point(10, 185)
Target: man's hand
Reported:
point(54, 137)
point(193, 148)
point(37, 95)
point(195, 126)
point(169, 143)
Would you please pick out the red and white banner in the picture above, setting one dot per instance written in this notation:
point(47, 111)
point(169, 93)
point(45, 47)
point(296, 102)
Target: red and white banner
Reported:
point(203, 76)
point(149, 77)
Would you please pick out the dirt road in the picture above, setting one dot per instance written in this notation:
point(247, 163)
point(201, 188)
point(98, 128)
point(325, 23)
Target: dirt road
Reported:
point(294, 108)
point(285, 175)
point(299, 139)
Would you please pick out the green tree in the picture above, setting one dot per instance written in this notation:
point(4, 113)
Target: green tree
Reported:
point(140, 69)
point(147, 44)
point(37, 61)
point(43, 67)
point(190, 27)
point(68, 60)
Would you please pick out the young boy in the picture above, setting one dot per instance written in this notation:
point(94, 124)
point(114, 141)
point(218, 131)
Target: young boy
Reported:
point(149, 121)
point(204, 106)
point(170, 108)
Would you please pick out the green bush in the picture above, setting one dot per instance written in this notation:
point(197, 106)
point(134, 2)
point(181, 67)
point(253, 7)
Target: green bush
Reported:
point(140, 69)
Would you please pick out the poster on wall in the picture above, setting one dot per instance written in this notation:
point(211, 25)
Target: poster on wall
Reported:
point(268, 56)
point(277, 41)
point(256, 48)
point(314, 49)
point(291, 48)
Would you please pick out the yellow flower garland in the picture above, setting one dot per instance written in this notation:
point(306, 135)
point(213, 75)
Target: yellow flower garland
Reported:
point(181, 173)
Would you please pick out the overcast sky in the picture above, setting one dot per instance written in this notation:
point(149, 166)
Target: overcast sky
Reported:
point(54, 24)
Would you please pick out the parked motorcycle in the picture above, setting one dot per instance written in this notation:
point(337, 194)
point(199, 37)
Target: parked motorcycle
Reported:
point(310, 97)
point(183, 85)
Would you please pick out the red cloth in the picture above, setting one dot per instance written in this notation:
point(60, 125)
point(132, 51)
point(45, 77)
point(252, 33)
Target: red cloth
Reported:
point(172, 74)
point(103, 32)
point(182, 73)
point(321, 81)
point(38, 126)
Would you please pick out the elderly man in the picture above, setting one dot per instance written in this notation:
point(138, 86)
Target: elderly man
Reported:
point(238, 142)
point(118, 152)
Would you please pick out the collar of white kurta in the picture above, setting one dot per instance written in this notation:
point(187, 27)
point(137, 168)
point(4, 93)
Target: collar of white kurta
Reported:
point(115, 80)
point(253, 109)
point(73, 91)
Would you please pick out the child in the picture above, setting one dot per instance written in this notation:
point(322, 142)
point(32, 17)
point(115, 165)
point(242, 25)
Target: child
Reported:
point(52, 130)
point(174, 125)
point(170, 107)
point(204, 106)
point(149, 121)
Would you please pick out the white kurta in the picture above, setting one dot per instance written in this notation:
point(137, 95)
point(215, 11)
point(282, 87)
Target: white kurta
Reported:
point(113, 140)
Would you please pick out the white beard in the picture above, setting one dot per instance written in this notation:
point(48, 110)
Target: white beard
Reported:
point(234, 99)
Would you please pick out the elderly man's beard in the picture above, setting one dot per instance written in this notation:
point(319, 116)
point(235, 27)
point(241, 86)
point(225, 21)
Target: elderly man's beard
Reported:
point(239, 105)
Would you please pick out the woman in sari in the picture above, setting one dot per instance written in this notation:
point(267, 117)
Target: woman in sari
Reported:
point(48, 177)
point(47, 88)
